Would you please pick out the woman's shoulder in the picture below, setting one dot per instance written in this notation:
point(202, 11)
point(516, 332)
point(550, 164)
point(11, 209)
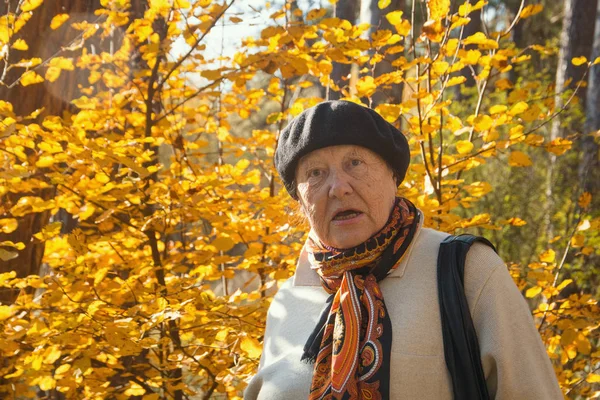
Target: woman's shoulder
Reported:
point(480, 264)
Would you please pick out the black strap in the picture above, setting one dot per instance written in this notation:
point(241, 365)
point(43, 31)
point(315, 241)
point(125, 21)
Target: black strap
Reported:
point(461, 348)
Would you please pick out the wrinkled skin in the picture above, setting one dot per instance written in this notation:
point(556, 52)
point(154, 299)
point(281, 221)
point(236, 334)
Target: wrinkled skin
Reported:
point(345, 178)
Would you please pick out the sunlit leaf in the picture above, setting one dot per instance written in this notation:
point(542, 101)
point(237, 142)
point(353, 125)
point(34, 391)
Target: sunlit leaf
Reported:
point(8, 225)
point(30, 5)
point(532, 292)
point(383, 4)
point(464, 147)
point(20, 44)
point(548, 256)
point(251, 347)
point(584, 200)
point(577, 61)
point(519, 159)
point(530, 10)
point(30, 78)
point(58, 20)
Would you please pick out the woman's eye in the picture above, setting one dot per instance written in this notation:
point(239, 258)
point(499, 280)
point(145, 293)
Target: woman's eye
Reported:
point(314, 173)
point(355, 162)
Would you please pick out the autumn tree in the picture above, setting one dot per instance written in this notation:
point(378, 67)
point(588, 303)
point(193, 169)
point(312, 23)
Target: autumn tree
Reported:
point(173, 202)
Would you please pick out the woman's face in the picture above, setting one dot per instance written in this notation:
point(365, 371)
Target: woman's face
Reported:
point(347, 193)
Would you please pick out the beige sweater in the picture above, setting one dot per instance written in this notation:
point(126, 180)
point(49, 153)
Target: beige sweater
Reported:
point(514, 359)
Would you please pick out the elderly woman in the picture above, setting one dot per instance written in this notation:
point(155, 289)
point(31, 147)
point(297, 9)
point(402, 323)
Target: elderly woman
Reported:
point(360, 318)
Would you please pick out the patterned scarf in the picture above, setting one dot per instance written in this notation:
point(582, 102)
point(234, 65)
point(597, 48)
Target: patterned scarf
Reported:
point(352, 341)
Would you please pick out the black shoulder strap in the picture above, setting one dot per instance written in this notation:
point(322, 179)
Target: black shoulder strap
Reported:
point(461, 348)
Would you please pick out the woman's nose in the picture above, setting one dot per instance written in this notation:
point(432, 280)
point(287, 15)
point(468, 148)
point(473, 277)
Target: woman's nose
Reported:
point(340, 185)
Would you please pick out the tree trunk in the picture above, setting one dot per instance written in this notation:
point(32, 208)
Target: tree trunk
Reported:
point(589, 168)
point(371, 13)
point(576, 39)
point(347, 10)
point(54, 97)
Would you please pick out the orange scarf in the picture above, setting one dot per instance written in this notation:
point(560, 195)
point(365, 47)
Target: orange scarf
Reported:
point(352, 341)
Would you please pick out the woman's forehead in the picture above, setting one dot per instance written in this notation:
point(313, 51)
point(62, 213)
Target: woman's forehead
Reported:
point(327, 153)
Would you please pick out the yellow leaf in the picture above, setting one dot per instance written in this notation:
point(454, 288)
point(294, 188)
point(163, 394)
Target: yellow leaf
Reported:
point(470, 57)
point(30, 78)
point(532, 292)
point(62, 63)
point(6, 276)
point(47, 383)
point(498, 108)
point(235, 20)
point(587, 250)
point(134, 389)
point(596, 61)
point(548, 256)
point(518, 108)
point(568, 336)
point(519, 159)
point(45, 161)
point(516, 221)
point(366, 86)
point(403, 28)
point(86, 211)
point(593, 378)
point(8, 225)
point(20, 44)
point(482, 40)
point(503, 84)
point(390, 112)
point(584, 200)
point(315, 14)
point(49, 231)
point(8, 243)
point(102, 177)
point(58, 20)
point(577, 241)
point(15, 374)
point(325, 67)
point(440, 67)
point(222, 334)
point(577, 61)
point(583, 345)
point(51, 354)
point(182, 4)
point(464, 147)
point(438, 9)
point(30, 5)
point(482, 123)
point(394, 17)
point(559, 146)
point(223, 243)
point(383, 4)
point(251, 347)
point(62, 369)
point(6, 255)
point(530, 10)
point(100, 275)
point(5, 312)
point(464, 9)
point(564, 284)
point(456, 80)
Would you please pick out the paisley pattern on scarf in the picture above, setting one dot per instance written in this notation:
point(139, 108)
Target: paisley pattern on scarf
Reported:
point(352, 341)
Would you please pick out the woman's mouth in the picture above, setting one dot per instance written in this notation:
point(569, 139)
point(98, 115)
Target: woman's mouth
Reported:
point(346, 215)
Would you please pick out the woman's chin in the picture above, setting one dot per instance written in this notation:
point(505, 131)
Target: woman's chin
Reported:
point(348, 238)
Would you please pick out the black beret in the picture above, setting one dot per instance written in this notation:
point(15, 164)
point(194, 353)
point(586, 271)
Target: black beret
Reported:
point(333, 123)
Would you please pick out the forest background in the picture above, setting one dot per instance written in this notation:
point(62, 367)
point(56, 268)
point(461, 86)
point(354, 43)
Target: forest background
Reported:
point(144, 232)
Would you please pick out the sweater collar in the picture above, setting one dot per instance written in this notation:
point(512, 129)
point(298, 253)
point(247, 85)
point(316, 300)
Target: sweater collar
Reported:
point(306, 276)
